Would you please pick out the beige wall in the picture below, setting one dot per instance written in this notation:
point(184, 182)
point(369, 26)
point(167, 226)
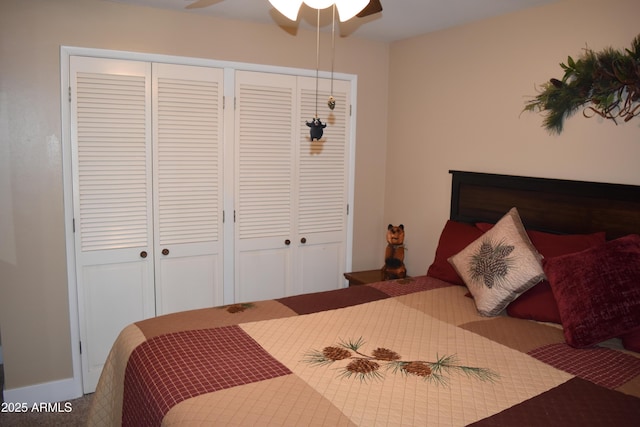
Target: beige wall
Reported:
point(455, 99)
point(33, 290)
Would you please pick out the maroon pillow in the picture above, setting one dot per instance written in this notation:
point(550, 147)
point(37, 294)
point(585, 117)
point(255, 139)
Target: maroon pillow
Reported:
point(454, 237)
point(552, 245)
point(538, 302)
point(597, 290)
point(631, 340)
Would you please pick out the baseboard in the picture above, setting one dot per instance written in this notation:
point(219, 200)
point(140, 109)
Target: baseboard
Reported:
point(54, 391)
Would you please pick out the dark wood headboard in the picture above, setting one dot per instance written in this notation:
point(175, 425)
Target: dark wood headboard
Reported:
point(552, 205)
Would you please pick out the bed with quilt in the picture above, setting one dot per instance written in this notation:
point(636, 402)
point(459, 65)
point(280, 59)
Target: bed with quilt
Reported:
point(529, 315)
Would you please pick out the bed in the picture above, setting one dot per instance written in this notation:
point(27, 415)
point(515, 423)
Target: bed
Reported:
point(429, 350)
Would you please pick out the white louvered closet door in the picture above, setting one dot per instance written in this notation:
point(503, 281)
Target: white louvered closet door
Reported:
point(291, 192)
point(322, 187)
point(111, 149)
point(188, 191)
point(264, 184)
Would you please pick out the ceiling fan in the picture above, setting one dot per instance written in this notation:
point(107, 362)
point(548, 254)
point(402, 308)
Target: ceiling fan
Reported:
point(372, 8)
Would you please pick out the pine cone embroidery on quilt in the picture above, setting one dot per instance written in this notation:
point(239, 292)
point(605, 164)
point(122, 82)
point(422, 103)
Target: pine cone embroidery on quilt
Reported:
point(367, 367)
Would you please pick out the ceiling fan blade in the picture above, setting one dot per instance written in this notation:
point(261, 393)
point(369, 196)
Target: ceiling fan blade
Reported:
point(199, 4)
point(373, 7)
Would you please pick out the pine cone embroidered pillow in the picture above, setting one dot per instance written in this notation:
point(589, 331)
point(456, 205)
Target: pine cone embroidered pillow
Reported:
point(500, 265)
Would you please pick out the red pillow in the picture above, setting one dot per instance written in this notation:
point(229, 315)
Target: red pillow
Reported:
point(454, 237)
point(552, 245)
point(631, 340)
point(597, 290)
point(538, 302)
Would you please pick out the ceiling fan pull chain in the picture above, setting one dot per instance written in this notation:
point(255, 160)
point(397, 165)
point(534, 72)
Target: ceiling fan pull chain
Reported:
point(332, 101)
point(317, 57)
point(315, 125)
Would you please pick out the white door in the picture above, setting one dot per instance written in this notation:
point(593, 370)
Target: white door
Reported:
point(188, 186)
point(111, 149)
point(264, 187)
point(322, 187)
point(291, 192)
point(147, 199)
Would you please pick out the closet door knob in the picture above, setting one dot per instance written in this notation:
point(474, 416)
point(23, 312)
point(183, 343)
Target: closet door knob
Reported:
point(165, 251)
point(287, 242)
point(143, 254)
point(303, 240)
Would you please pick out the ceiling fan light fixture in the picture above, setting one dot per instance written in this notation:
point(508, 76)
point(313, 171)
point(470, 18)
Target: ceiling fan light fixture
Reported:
point(319, 4)
point(288, 8)
point(347, 9)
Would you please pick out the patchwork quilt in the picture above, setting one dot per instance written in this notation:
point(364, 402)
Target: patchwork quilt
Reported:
point(411, 352)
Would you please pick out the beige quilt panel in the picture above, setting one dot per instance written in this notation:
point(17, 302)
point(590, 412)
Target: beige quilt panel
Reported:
point(283, 401)
point(397, 399)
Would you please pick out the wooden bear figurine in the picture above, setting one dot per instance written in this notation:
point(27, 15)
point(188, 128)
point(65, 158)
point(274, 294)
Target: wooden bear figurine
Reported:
point(394, 255)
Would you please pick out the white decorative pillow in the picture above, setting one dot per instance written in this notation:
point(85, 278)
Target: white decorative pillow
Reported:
point(499, 265)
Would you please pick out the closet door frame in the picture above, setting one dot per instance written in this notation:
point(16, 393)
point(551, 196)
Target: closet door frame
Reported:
point(74, 388)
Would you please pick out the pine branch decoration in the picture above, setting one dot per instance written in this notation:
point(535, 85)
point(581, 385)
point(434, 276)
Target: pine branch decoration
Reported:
point(604, 84)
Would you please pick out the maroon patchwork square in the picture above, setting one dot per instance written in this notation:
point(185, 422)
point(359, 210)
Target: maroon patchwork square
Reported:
point(601, 366)
point(331, 300)
point(168, 369)
point(409, 285)
point(574, 403)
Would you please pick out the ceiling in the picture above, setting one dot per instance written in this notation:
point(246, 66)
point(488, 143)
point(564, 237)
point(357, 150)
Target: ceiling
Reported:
point(399, 20)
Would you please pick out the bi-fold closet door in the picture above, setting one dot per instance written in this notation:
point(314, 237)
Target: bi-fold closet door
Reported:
point(291, 192)
point(147, 189)
point(150, 152)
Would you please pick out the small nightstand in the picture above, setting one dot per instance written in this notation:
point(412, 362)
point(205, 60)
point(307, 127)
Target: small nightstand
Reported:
point(363, 277)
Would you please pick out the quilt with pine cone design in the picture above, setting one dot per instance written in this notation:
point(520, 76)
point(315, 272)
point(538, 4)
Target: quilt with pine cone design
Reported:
point(397, 353)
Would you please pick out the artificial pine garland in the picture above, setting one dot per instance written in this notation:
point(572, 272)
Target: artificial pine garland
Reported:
point(605, 83)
